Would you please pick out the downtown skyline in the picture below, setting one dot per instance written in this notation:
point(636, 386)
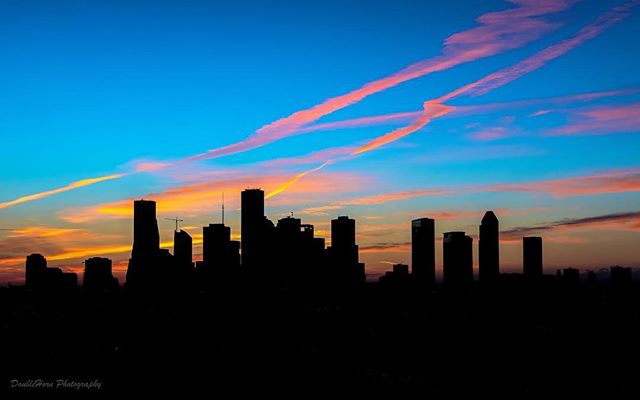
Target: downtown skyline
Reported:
point(546, 135)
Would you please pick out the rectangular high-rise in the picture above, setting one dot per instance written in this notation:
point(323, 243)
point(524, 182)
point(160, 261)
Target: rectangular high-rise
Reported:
point(182, 248)
point(532, 256)
point(423, 251)
point(146, 237)
point(216, 242)
point(343, 240)
point(251, 225)
point(457, 259)
point(36, 266)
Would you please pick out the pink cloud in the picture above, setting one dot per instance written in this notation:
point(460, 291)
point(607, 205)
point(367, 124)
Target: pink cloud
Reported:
point(506, 75)
point(614, 181)
point(491, 134)
point(602, 120)
point(495, 33)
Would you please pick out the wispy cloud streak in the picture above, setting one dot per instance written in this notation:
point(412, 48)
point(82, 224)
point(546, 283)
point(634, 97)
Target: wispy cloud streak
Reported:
point(601, 120)
point(495, 33)
point(614, 181)
point(623, 220)
point(506, 75)
point(71, 186)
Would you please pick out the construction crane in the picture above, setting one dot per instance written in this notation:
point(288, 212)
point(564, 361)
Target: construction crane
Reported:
point(176, 219)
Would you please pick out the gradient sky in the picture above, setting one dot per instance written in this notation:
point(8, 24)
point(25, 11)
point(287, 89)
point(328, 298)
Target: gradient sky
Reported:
point(528, 108)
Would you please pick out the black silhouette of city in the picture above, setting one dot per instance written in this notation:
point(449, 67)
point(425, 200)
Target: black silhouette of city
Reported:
point(280, 313)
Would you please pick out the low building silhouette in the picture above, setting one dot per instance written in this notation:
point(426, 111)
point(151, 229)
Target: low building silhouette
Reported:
point(98, 276)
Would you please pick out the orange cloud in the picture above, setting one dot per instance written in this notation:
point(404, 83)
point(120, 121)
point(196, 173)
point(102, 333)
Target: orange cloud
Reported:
point(374, 199)
point(431, 110)
point(42, 231)
point(295, 179)
point(196, 198)
point(71, 186)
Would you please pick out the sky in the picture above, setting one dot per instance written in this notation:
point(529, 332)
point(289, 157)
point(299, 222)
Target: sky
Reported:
point(385, 111)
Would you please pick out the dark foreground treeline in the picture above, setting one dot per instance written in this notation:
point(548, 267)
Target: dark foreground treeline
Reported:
point(513, 340)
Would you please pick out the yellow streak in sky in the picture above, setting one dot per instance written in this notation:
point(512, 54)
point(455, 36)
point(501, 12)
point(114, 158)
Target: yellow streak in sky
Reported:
point(295, 179)
point(73, 185)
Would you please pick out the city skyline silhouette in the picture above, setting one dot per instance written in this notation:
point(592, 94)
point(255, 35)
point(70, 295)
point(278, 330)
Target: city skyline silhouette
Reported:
point(345, 198)
point(486, 117)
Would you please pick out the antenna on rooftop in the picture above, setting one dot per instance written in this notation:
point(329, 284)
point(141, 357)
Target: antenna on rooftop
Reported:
point(222, 208)
point(176, 219)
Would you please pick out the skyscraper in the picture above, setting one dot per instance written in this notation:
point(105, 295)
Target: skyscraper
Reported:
point(149, 265)
point(146, 237)
point(423, 251)
point(532, 256)
point(489, 248)
point(343, 240)
point(457, 259)
point(343, 253)
point(36, 266)
point(182, 248)
point(251, 225)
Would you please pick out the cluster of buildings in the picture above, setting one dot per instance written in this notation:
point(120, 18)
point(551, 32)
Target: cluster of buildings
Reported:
point(288, 254)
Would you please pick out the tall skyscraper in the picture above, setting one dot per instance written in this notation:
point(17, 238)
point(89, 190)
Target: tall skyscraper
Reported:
point(146, 237)
point(423, 251)
point(149, 266)
point(489, 248)
point(532, 256)
point(457, 259)
point(182, 248)
point(252, 225)
point(36, 266)
point(343, 240)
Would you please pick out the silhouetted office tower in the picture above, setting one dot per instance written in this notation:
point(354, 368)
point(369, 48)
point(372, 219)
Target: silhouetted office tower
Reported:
point(182, 248)
point(343, 240)
point(251, 225)
point(457, 259)
point(532, 256)
point(489, 248)
point(98, 277)
point(146, 237)
point(423, 250)
point(218, 250)
point(36, 266)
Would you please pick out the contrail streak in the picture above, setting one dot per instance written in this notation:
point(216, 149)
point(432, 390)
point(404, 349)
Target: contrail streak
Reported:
point(496, 32)
point(71, 186)
point(505, 75)
point(435, 108)
point(295, 179)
